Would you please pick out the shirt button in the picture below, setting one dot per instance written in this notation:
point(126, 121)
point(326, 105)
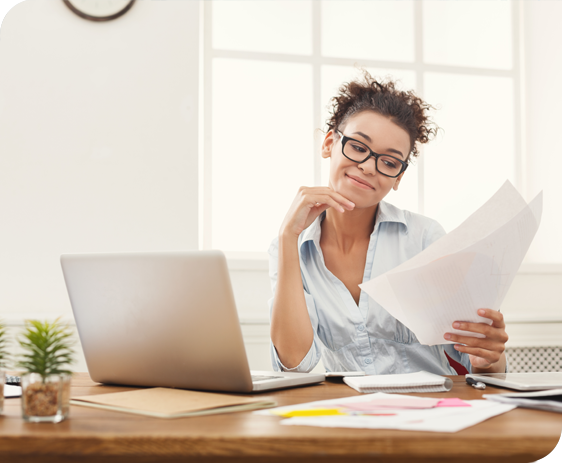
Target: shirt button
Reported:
point(361, 327)
point(368, 361)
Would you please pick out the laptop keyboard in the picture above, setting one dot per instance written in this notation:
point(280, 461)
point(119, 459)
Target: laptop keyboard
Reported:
point(264, 378)
point(13, 380)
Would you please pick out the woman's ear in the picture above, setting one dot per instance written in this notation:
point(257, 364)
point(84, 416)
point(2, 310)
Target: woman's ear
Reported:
point(397, 181)
point(328, 144)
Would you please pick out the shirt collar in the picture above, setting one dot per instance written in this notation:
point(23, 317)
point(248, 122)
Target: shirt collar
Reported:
point(388, 213)
point(312, 233)
point(385, 213)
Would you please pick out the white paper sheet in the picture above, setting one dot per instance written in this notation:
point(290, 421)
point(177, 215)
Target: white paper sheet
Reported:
point(445, 419)
point(433, 420)
point(471, 267)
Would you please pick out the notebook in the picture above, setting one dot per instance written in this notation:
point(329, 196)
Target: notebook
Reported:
point(421, 381)
point(164, 319)
point(162, 402)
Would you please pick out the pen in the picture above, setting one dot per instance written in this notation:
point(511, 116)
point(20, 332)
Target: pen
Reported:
point(475, 384)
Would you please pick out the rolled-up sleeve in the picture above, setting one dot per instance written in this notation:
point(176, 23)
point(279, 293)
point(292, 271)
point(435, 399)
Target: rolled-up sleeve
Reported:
point(313, 355)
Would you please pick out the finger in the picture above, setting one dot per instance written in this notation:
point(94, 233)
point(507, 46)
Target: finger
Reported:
point(316, 191)
point(340, 199)
point(495, 315)
point(489, 331)
point(331, 198)
point(316, 201)
point(488, 355)
point(471, 341)
point(343, 200)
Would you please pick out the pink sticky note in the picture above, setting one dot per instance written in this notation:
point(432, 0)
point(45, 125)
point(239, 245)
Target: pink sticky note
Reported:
point(453, 402)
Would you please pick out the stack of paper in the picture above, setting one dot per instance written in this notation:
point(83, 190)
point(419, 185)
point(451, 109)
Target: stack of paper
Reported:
point(390, 411)
point(550, 400)
point(161, 402)
point(472, 267)
point(421, 381)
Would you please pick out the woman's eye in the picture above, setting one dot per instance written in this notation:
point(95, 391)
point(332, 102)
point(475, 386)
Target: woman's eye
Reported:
point(359, 148)
point(389, 163)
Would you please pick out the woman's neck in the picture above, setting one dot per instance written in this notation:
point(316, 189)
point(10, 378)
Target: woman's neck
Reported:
point(345, 230)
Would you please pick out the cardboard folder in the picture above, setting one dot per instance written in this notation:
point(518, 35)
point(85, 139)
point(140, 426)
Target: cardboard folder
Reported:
point(162, 402)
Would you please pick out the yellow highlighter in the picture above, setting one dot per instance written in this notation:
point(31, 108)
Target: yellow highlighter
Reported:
point(309, 412)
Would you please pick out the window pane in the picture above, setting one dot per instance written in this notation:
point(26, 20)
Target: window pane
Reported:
point(474, 153)
point(332, 78)
point(381, 30)
point(263, 26)
point(468, 33)
point(262, 148)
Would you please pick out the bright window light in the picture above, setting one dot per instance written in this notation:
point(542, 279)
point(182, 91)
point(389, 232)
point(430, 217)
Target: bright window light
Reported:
point(468, 33)
point(262, 148)
point(381, 30)
point(263, 26)
point(474, 153)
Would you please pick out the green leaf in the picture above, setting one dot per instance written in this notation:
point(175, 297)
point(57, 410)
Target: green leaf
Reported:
point(47, 348)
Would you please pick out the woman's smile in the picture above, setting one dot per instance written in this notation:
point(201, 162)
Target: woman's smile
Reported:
point(359, 182)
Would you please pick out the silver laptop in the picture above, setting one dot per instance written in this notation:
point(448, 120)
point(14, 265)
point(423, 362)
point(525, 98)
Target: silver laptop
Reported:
point(522, 381)
point(164, 319)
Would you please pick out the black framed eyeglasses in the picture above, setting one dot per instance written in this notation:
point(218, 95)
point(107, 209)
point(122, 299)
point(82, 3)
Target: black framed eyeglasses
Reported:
point(359, 152)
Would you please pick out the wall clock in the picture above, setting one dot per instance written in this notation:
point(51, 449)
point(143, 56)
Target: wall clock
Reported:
point(99, 10)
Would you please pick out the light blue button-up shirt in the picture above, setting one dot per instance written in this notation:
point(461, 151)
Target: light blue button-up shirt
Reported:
point(364, 337)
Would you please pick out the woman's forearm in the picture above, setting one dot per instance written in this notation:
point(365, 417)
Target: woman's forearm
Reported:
point(291, 330)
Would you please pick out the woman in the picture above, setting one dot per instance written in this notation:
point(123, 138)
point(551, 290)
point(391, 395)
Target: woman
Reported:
point(334, 238)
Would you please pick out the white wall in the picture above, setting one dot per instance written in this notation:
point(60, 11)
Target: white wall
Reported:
point(543, 100)
point(98, 141)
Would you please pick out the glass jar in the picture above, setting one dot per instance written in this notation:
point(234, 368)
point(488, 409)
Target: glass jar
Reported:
point(45, 399)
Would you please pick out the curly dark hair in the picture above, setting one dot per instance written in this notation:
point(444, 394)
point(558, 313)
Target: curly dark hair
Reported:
point(405, 109)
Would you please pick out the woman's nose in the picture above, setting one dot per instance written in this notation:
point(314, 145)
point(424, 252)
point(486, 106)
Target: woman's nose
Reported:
point(369, 167)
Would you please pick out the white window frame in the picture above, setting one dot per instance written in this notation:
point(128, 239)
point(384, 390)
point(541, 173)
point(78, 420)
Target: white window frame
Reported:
point(516, 73)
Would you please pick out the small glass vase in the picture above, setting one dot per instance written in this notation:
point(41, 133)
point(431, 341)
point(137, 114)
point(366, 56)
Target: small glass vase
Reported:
point(2, 382)
point(45, 400)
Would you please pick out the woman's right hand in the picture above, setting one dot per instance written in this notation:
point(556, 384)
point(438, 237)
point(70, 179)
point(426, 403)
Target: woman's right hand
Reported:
point(308, 204)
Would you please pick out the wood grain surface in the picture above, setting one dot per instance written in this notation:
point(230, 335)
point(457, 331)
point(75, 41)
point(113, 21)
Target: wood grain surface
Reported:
point(520, 435)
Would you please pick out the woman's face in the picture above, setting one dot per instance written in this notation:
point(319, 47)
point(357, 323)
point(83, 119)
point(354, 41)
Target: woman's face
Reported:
point(362, 183)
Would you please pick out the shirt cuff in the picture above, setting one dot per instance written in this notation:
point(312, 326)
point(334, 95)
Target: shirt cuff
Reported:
point(309, 361)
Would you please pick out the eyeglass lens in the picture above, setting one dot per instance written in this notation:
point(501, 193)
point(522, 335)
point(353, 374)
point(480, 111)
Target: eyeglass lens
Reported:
point(358, 152)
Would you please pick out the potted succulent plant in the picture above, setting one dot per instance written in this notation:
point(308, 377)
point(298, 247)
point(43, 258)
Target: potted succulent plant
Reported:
point(3, 362)
point(47, 351)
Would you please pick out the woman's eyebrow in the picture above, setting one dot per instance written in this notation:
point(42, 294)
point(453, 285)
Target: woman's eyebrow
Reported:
point(366, 137)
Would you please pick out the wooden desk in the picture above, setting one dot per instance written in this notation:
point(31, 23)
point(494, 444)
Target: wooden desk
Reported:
point(89, 435)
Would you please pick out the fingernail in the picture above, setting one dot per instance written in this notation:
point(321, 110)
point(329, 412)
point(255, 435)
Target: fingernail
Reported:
point(457, 346)
point(447, 336)
point(456, 325)
point(342, 209)
point(481, 312)
point(351, 203)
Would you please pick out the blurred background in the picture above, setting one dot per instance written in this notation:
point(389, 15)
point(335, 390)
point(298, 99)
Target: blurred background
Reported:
point(191, 124)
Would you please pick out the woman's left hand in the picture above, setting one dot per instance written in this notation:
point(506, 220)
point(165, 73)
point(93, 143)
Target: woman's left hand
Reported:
point(484, 353)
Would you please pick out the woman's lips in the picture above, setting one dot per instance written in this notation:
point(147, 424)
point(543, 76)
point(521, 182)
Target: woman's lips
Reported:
point(359, 183)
